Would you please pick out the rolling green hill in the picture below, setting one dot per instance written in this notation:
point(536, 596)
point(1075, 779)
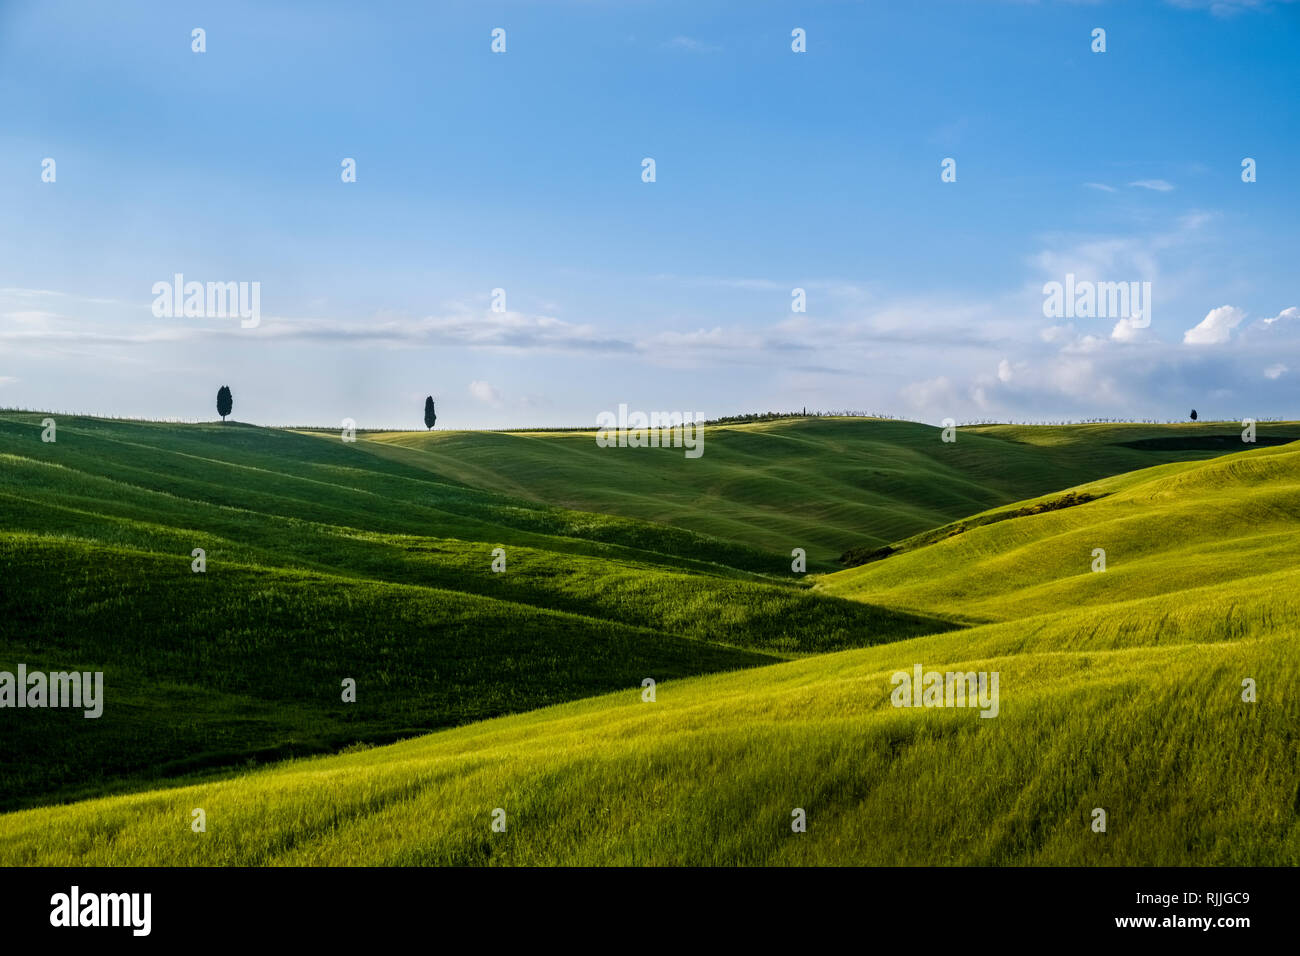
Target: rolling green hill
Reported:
point(823, 484)
point(1120, 690)
point(326, 563)
point(1164, 530)
point(1104, 708)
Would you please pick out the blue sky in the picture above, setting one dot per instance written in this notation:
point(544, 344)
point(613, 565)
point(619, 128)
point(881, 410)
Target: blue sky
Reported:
point(774, 170)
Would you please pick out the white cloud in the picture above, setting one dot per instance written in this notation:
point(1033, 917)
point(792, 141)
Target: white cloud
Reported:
point(484, 392)
point(1291, 313)
point(1126, 331)
point(1084, 344)
point(1102, 186)
point(934, 393)
point(31, 319)
point(715, 338)
point(1004, 371)
point(1074, 376)
point(1216, 328)
point(1101, 260)
point(507, 331)
point(510, 331)
point(1158, 185)
point(1275, 371)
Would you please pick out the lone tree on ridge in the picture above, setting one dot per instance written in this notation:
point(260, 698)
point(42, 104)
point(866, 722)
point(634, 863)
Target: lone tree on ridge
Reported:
point(430, 416)
point(225, 401)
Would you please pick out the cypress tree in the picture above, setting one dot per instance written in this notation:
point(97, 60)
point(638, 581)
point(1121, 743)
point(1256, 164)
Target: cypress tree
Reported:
point(225, 401)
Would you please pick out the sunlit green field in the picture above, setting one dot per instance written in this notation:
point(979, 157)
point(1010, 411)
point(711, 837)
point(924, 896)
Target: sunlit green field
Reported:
point(824, 484)
point(712, 770)
point(1163, 530)
point(1120, 690)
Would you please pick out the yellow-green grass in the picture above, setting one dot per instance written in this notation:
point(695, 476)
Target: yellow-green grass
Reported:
point(1127, 698)
point(1104, 708)
point(823, 484)
point(1163, 530)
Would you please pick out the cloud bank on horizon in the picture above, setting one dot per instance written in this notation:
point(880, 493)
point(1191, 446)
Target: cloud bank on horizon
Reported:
point(870, 222)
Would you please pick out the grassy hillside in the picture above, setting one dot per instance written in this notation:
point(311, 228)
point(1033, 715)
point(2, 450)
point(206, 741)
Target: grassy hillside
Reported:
point(823, 484)
point(1163, 530)
point(325, 563)
point(1106, 710)
point(1128, 699)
